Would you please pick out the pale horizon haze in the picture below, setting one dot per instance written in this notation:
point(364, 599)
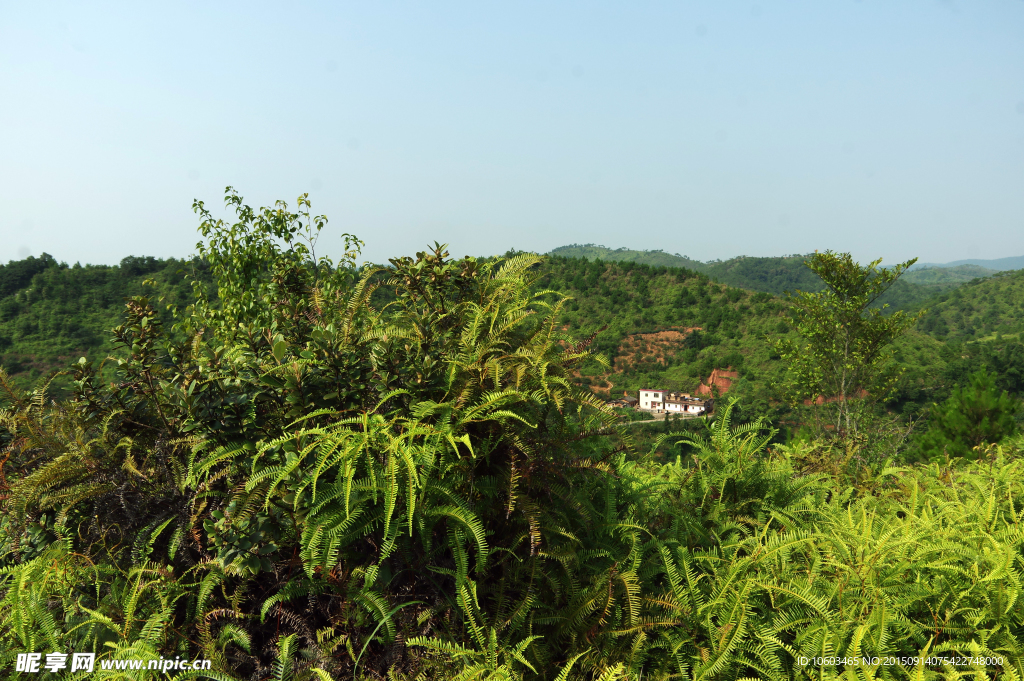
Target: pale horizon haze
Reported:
point(712, 129)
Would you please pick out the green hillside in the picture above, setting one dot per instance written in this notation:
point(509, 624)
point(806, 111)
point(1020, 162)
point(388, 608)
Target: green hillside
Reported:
point(946, 277)
point(974, 327)
point(767, 275)
point(646, 319)
point(667, 327)
point(52, 313)
point(771, 275)
point(981, 309)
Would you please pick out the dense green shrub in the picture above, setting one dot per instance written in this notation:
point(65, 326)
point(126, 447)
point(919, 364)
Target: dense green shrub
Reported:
point(292, 457)
point(974, 415)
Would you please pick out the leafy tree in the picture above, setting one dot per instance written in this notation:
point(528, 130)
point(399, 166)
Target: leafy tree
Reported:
point(975, 414)
point(842, 351)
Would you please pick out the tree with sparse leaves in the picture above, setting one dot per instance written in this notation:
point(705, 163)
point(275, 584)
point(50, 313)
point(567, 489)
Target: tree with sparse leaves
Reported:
point(841, 358)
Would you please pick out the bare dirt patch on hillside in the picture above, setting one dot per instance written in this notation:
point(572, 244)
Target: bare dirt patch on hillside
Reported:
point(651, 347)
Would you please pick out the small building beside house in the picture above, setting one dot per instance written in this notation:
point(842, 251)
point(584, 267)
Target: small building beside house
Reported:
point(627, 402)
point(663, 401)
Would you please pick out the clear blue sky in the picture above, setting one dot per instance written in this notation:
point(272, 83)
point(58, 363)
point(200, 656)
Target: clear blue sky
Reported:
point(714, 129)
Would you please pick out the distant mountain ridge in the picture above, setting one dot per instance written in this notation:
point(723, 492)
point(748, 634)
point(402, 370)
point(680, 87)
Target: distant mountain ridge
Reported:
point(771, 275)
point(998, 265)
point(947, 276)
point(659, 257)
point(777, 275)
point(656, 258)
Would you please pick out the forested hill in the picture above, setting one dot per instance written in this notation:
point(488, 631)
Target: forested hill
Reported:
point(770, 275)
point(659, 326)
point(647, 314)
point(656, 258)
point(947, 277)
point(51, 313)
point(782, 274)
point(979, 310)
point(787, 270)
point(976, 327)
point(667, 327)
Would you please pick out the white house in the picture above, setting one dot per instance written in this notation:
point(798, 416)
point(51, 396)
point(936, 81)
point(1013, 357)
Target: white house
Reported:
point(650, 399)
point(673, 403)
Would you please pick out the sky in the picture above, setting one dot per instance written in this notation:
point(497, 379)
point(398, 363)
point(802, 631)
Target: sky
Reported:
point(710, 129)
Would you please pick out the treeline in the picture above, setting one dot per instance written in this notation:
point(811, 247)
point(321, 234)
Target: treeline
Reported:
point(779, 275)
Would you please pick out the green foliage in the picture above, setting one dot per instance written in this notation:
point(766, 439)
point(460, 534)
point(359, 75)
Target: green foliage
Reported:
point(977, 414)
point(18, 274)
point(52, 314)
point(777, 275)
point(946, 277)
point(61, 601)
point(1003, 358)
point(841, 356)
point(982, 309)
point(302, 459)
point(297, 483)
